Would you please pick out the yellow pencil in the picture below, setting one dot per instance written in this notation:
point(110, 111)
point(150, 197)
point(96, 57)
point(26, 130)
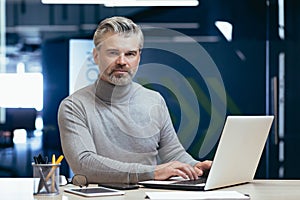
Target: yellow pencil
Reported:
point(53, 175)
point(58, 161)
point(60, 158)
point(53, 159)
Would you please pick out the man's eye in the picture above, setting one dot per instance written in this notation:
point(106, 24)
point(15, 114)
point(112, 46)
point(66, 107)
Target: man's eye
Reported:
point(133, 53)
point(113, 53)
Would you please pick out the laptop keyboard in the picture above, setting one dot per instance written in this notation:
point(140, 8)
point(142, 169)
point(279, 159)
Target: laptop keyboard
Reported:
point(191, 182)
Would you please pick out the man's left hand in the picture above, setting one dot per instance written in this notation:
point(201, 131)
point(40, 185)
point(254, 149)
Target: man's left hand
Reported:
point(202, 167)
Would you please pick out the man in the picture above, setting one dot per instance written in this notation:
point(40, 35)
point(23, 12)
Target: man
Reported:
point(115, 130)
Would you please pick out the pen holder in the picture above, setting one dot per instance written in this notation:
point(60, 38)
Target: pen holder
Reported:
point(46, 179)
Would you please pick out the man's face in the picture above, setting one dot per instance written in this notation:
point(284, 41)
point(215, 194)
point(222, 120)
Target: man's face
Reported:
point(118, 58)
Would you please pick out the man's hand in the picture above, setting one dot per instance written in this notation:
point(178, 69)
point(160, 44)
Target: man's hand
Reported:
point(176, 168)
point(202, 167)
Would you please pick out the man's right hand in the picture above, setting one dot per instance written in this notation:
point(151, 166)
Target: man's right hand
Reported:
point(175, 168)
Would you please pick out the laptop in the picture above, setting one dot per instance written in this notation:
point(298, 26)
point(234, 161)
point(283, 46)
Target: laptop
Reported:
point(236, 159)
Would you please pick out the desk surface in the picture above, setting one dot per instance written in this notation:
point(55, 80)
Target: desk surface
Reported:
point(21, 188)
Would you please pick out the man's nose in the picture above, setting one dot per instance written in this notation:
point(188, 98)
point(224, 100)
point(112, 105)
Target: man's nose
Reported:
point(121, 60)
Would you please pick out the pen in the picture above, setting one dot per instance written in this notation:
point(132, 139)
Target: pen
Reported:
point(58, 161)
point(42, 181)
point(36, 161)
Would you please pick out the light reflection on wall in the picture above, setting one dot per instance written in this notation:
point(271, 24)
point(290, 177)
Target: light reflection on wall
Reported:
point(21, 90)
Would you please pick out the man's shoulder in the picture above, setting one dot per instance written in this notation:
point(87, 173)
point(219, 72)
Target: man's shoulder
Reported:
point(149, 95)
point(146, 91)
point(81, 94)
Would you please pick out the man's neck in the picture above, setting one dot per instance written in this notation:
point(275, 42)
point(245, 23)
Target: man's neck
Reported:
point(108, 92)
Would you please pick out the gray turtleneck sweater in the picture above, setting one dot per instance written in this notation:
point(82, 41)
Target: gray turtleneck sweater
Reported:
point(117, 133)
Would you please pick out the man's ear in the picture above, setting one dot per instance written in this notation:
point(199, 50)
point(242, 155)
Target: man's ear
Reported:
point(95, 55)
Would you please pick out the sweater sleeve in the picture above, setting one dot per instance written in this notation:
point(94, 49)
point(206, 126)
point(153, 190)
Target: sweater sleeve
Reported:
point(170, 147)
point(80, 151)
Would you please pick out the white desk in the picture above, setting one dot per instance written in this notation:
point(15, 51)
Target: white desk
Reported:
point(21, 189)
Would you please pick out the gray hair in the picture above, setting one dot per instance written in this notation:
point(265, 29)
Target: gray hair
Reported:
point(118, 25)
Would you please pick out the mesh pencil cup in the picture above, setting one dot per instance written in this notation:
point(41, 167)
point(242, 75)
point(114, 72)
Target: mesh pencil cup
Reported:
point(46, 179)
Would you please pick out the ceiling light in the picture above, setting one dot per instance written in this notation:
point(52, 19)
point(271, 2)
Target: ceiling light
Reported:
point(225, 28)
point(126, 3)
point(74, 1)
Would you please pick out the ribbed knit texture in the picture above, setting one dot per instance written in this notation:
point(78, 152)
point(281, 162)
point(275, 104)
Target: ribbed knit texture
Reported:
point(117, 133)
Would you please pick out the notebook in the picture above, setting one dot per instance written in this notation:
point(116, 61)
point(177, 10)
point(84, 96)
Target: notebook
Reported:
point(237, 156)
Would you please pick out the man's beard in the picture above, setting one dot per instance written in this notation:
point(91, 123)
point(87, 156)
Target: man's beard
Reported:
point(123, 79)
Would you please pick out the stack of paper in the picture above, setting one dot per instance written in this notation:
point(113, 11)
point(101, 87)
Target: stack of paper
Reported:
point(193, 195)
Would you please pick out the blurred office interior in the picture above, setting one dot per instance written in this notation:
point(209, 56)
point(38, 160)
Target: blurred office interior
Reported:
point(253, 43)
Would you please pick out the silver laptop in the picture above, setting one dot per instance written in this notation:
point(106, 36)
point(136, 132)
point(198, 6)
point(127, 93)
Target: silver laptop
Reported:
point(235, 162)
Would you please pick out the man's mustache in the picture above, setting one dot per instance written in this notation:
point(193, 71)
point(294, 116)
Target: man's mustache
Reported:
point(119, 68)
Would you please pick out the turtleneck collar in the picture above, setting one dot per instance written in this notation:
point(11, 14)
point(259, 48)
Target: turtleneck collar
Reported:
point(110, 93)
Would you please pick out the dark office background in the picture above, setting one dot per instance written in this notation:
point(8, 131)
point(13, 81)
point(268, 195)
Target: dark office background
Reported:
point(250, 65)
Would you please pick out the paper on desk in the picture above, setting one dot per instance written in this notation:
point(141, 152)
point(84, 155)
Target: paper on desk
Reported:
point(193, 195)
